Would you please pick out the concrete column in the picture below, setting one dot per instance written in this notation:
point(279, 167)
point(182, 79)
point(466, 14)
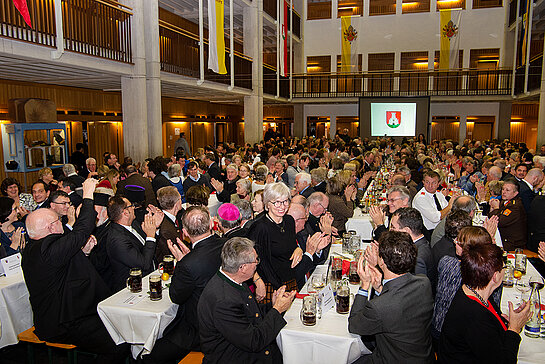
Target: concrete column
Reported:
point(153, 77)
point(253, 47)
point(334, 9)
point(502, 128)
point(133, 91)
point(299, 120)
point(462, 129)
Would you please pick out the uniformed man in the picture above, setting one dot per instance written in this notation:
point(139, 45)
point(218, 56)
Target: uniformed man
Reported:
point(511, 214)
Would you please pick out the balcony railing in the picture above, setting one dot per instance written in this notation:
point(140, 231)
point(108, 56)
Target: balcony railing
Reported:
point(100, 28)
point(269, 82)
point(179, 50)
point(463, 82)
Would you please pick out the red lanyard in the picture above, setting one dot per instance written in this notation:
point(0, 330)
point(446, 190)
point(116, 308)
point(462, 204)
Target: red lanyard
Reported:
point(491, 309)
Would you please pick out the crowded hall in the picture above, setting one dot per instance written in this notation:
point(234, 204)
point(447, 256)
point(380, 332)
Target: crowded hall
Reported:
point(272, 181)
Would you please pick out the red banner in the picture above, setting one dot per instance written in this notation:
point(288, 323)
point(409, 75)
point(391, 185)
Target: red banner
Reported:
point(21, 5)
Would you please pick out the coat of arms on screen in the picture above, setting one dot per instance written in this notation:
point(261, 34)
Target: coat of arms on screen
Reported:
point(450, 30)
point(350, 34)
point(393, 118)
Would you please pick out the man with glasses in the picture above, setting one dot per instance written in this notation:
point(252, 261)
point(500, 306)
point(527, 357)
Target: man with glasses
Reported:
point(129, 245)
point(234, 327)
point(61, 205)
point(398, 197)
point(64, 286)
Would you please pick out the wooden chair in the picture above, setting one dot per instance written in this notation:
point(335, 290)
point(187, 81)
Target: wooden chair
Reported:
point(194, 357)
point(70, 351)
point(31, 339)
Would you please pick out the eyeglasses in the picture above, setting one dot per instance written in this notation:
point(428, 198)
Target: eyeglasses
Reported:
point(129, 206)
point(325, 208)
point(280, 203)
point(256, 261)
point(63, 203)
point(393, 199)
point(54, 221)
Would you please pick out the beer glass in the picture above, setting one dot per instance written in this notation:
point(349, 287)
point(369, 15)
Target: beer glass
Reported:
point(155, 287)
point(346, 242)
point(342, 299)
point(337, 269)
point(353, 277)
point(355, 244)
point(308, 311)
point(520, 261)
point(134, 282)
point(167, 264)
point(317, 281)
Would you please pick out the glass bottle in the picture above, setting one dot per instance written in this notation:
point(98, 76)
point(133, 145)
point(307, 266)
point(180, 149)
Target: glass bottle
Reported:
point(533, 326)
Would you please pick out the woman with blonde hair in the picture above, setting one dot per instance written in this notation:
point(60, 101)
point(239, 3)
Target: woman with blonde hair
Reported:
point(108, 184)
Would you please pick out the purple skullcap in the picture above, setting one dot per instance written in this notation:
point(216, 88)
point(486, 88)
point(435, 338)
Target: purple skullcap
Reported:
point(229, 212)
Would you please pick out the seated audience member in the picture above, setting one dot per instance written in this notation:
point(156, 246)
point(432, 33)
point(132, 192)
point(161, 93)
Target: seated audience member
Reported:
point(454, 222)
point(61, 205)
point(229, 187)
point(243, 190)
point(278, 174)
point(291, 170)
point(90, 169)
point(409, 220)
point(261, 173)
point(303, 184)
point(244, 172)
point(229, 218)
point(175, 178)
point(69, 187)
point(318, 220)
point(108, 184)
point(474, 330)
point(128, 245)
point(70, 173)
point(511, 215)
point(300, 200)
point(156, 169)
point(319, 177)
point(409, 183)
point(195, 178)
point(193, 271)
point(198, 195)
point(399, 316)
point(464, 203)
point(341, 202)
point(528, 185)
point(40, 194)
point(213, 170)
point(257, 204)
point(170, 202)
point(470, 176)
point(53, 261)
point(536, 223)
point(431, 203)
point(136, 179)
point(398, 197)
point(450, 277)
point(11, 188)
point(246, 214)
point(234, 327)
point(46, 175)
point(12, 232)
point(99, 255)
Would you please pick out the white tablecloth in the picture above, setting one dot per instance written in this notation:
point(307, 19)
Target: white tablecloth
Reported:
point(327, 342)
point(15, 310)
point(362, 224)
point(141, 324)
point(531, 350)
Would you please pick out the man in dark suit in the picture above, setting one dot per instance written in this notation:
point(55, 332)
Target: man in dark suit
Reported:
point(229, 187)
point(213, 170)
point(134, 178)
point(170, 202)
point(533, 178)
point(234, 327)
point(400, 316)
point(536, 223)
point(40, 194)
point(302, 184)
point(69, 187)
point(90, 168)
point(193, 271)
point(70, 173)
point(158, 180)
point(319, 176)
point(64, 286)
point(128, 245)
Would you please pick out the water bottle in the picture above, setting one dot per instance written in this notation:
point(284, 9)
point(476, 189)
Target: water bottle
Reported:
point(533, 326)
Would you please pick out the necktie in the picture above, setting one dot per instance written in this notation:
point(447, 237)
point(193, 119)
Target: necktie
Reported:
point(437, 204)
point(138, 236)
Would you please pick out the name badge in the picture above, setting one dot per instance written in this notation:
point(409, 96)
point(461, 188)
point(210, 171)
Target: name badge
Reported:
point(11, 265)
point(326, 299)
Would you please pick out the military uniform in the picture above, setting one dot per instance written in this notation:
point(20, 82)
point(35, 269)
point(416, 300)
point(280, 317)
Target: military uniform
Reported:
point(512, 223)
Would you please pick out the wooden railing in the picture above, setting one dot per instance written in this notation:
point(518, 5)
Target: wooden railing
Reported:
point(42, 16)
point(179, 50)
point(97, 28)
point(100, 28)
point(463, 82)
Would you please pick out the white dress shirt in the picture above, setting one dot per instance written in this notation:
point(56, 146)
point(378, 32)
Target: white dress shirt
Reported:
point(424, 202)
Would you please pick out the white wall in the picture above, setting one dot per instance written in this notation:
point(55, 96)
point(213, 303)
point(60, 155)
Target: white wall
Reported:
point(480, 28)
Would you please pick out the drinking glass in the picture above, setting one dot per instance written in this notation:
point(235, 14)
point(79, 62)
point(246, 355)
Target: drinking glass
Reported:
point(308, 311)
point(523, 287)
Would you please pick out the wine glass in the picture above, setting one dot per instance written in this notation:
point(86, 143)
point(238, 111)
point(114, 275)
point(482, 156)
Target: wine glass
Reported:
point(536, 280)
point(523, 287)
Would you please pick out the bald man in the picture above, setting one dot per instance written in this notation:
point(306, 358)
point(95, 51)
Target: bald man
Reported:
point(64, 286)
point(528, 185)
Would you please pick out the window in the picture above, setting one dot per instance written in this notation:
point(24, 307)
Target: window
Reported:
point(318, 64)
point(381, 81)
point(349, 7)
point(451, 4)
point(382, 7)
point(448, 82)
point(415, 6)
point(481, 4)
point(414, 81)
point(318, 9)
point(349, 82)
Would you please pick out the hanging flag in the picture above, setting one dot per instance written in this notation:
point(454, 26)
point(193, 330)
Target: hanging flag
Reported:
point(349, 55)
point(216, 37)
point(21, 5)
point(283, 49)
point(524, 32)
point(450, 38)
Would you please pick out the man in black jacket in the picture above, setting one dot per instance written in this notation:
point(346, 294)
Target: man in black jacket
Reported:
point(156, 167)
point(64, 286)
point(128, 245)
point(234, 328)
point(134, 178)
point(193, 271)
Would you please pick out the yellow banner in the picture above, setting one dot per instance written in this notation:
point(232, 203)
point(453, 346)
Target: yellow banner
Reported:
point(349, 35)
point(450, 39)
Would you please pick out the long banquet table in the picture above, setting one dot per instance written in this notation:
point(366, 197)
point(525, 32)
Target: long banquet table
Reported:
point(15, 310)
point(133, 318)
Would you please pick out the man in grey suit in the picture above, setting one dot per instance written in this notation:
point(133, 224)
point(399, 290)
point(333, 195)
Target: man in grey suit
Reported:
point(399, 314)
